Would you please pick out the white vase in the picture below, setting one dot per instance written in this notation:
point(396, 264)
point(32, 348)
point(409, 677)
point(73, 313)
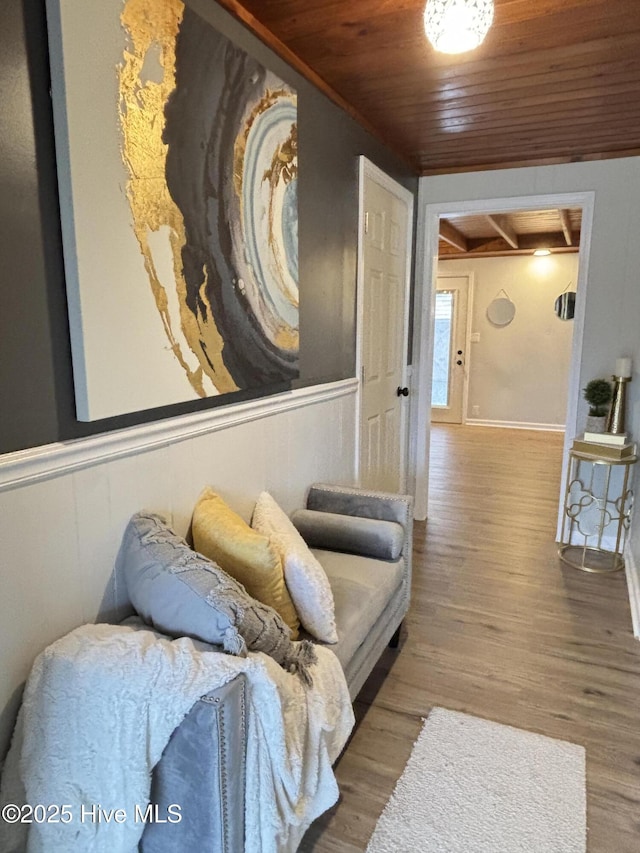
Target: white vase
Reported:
point(595, 423)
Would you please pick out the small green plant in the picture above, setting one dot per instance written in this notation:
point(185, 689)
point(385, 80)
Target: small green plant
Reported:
point(598, 395)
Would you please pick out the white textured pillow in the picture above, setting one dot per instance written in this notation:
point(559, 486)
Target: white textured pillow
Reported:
point(306, 580)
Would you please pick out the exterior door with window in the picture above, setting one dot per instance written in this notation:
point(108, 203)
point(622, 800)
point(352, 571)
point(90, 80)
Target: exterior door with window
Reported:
point(450, 349)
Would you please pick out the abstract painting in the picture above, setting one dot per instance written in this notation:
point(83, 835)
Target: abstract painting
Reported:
point(178, 172)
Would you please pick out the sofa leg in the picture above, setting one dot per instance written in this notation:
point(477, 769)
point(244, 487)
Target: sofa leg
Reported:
point(394, 642)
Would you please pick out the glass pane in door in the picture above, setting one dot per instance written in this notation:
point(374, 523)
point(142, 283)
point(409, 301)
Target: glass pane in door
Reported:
point(442, 348)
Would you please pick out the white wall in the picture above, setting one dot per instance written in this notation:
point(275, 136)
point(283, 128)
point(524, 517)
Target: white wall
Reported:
point(63, 508)
point(518, 374)
point(612, 317)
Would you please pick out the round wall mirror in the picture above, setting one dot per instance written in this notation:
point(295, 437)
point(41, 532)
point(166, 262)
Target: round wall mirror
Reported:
point(501, 311)
point(565, 305)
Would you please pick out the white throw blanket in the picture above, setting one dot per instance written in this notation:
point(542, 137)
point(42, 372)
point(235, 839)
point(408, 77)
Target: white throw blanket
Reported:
point(100, 706)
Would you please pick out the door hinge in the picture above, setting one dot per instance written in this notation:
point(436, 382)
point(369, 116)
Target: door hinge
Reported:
point(366, 222)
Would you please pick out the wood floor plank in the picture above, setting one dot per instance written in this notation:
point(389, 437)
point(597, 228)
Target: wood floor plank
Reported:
point(500, 628)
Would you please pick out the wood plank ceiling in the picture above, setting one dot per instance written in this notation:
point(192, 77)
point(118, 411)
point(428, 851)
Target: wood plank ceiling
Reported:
point(555, 80)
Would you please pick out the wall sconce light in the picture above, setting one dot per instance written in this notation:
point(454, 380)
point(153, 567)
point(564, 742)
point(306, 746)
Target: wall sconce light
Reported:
point(455, 26)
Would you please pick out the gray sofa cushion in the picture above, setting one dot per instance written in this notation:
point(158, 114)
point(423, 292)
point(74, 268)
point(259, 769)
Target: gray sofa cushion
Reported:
point(382, 540)
point(362, 588)
point(365, 658)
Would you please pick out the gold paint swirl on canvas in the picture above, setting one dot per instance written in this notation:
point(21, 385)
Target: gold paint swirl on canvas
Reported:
point(151, 27)
point(266, 102)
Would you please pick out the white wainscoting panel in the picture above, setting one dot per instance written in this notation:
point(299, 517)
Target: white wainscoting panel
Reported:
point(63, 512)
point(41, 597)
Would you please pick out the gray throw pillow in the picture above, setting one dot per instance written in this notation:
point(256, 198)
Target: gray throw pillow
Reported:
point(183, 594)
point(369, 537)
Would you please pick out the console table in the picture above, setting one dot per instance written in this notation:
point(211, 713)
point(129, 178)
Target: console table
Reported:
point(597, 510)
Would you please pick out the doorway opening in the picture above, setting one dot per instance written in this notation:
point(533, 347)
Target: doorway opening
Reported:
point(495, 368)
point(503, 215)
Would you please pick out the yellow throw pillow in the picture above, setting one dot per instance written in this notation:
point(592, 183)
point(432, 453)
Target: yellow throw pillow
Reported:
point(224, 537)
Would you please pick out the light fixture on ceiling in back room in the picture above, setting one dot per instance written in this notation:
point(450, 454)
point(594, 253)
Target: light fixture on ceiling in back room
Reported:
point(455, 26)
point(542, 253)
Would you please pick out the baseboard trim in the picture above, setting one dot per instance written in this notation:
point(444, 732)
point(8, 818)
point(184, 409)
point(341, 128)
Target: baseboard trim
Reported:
point(633, 583)
point(515, 425)
point(54, 460)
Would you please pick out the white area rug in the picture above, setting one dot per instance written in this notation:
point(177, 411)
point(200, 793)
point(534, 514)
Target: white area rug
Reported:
point(473, 786)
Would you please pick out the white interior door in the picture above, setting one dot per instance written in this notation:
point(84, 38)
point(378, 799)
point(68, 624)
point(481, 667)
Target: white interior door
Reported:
point(384, 308)
point(450, 349)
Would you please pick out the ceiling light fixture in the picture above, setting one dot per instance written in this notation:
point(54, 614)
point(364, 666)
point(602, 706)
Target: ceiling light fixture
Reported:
point(542, 253)
point(455, 26)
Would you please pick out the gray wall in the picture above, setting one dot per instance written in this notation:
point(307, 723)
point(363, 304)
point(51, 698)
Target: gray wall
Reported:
point(36, 381)
point(26, 357)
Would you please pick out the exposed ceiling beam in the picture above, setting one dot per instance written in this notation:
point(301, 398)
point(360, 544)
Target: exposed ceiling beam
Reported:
point(502, 226)
point(565, 221)
point(452, 236)
point(483, 247)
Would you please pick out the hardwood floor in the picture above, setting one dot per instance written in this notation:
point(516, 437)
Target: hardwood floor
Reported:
point(500, 628)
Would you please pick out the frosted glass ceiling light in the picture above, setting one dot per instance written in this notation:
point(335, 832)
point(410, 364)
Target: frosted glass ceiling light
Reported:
point(455, 26)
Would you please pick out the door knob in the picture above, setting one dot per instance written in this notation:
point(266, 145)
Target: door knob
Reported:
point(402, 392)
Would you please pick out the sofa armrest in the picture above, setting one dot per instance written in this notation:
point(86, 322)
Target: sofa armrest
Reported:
point(368, 503)
point(331, 531)
point(202, 770)
point(365, 503)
